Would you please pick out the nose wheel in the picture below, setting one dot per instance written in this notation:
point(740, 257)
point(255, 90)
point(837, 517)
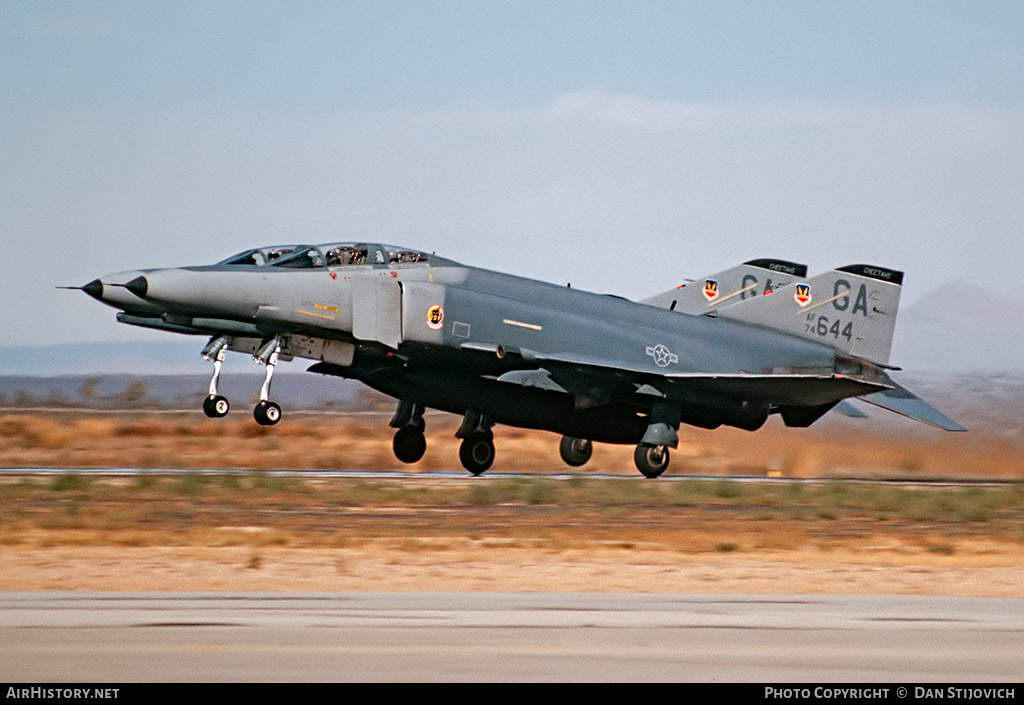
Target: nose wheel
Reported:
point(215, 406)
point(267, 413)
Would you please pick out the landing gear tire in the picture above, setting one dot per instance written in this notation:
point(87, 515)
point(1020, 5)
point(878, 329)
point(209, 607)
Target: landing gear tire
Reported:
point(650, 460)
point(267, 413)
point(575, 451)
point(477, 453)
point(409, 445)
point(216, 406)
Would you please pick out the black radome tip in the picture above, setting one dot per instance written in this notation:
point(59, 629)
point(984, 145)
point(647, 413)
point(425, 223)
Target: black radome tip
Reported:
point(94, 289)
point(138, 286)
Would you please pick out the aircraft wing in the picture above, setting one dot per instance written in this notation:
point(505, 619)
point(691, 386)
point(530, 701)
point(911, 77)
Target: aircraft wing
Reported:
point(812, 388)
point(780, 389)
point(800, 389)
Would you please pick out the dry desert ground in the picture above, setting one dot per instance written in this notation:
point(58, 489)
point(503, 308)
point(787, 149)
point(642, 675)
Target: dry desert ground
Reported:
point(252, 529)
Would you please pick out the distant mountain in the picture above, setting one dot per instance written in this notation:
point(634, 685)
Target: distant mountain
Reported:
point(167, 374)
point(960, 328)
point(176, 356)
point(296, 391)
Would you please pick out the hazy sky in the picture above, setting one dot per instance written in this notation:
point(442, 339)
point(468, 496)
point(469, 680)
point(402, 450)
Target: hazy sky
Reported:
point(622, 146)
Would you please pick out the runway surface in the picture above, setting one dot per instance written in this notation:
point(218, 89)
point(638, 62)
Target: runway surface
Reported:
point(460, 474)
point(125, 637)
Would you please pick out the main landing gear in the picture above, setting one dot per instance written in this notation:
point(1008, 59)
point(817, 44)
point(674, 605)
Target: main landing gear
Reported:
point(409, 444)
point(266, 412)
point(477, 449)
point(575, 451)
point(651, 454)
point(651, 460)
point(477, 452)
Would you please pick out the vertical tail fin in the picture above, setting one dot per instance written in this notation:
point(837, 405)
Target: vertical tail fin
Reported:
point(742, 282)
point(852, 308)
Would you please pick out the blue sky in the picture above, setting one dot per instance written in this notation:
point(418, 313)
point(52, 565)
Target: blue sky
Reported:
point(621, 146)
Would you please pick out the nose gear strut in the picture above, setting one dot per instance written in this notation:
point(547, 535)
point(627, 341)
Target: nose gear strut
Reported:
point(216, 406)
point(266, 412)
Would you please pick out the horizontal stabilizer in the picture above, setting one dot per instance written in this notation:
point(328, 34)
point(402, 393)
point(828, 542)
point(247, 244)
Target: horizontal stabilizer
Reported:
point(902, 401)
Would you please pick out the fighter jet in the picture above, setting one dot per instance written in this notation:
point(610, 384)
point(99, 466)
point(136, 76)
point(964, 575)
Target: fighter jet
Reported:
point(731, 349)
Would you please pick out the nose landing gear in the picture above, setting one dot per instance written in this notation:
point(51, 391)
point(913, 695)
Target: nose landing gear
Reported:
point(266, 412)
point(216, 406)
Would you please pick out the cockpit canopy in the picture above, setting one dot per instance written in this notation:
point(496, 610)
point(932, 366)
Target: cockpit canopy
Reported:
point(261, 256)
point(350, 254)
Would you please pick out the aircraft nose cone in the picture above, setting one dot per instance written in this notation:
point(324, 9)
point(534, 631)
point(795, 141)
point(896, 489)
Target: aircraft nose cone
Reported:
point(94, 289)
point(138, 286)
